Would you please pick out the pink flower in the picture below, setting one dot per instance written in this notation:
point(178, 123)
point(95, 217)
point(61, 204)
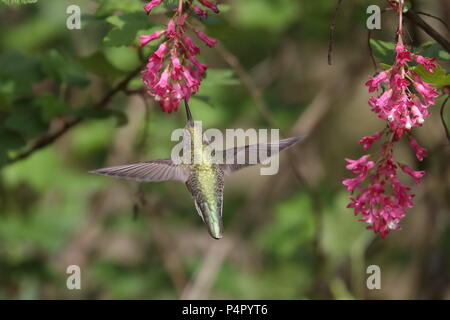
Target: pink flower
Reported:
point(145, 39)
point(162, 50)
point(148, 7)
point(171, 29)
point(208, 40)
point(374, 83)
point(428, 93)
point(384, 99)
point(163, 80)
point(420, 152)
point(203, 14)
point(426, 62)
point(209, 5)
point(353, 183)
point(416, 175)
point(359, 166)
point(403, 54)
point(190, 45)
point(368, 141)
point(398, 81)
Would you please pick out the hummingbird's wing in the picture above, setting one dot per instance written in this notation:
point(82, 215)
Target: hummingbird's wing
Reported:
point(157, 170)
point(241, 157)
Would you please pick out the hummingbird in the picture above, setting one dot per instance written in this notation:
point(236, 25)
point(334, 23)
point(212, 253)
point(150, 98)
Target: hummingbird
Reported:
point(204, 179)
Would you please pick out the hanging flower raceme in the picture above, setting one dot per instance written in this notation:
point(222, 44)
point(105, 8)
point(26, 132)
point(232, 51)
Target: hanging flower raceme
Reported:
point(173, 72)
point(402, 99)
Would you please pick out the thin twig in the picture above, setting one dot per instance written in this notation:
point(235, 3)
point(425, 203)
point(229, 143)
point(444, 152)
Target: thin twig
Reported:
point(332, 29)
point(447, 133)
point(374, 61)
point(248, 82)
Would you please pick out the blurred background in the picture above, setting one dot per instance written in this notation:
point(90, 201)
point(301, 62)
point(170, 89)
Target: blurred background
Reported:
point(287, 236)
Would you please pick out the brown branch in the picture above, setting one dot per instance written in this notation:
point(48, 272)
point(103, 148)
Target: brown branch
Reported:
point(332, 29)
point(203, 280)
point(447, 133)
point(434, 17)
point(416, 19)
point(49, 138)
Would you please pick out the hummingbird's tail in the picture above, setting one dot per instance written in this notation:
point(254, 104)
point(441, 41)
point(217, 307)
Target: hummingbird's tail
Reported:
point(212, 219)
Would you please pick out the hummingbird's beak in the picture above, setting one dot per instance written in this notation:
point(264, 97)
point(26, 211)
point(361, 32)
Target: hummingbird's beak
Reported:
point(190, 120)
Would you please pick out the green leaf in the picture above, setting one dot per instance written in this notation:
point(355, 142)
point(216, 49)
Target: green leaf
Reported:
point(433, 49)
point(384, 51)
point(292, 227)
point(223, 7)
point(49, 106)
point(220, 77)
point(136, 83)
point(385, 66)
point(125, 29)
point(63, 70)
point(122, 58)
point(270, 16)
point(438, 78)
point(98, 64)
point(407, 5)
point(19, 71)
point(25, 119)
point(43, 26)
point(444, 55)
point(9, 140)
point(108, 7)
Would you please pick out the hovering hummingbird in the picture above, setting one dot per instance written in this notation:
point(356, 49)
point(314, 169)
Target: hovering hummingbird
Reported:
point(205, 178)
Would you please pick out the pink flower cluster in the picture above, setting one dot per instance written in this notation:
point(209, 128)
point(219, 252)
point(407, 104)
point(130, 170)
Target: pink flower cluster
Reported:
point(173, 72)
point(402, 99)
point(383, 199)
point(406, 100)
